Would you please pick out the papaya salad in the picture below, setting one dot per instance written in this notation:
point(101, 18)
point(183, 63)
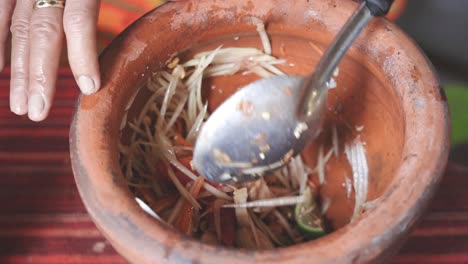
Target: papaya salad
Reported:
point(278, 210)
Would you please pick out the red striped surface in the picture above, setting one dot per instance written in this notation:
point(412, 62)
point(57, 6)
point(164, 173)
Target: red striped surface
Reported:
point(42, 219)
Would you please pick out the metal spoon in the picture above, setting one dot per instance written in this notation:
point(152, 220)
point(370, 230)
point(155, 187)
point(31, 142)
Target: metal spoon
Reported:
point(266, 123)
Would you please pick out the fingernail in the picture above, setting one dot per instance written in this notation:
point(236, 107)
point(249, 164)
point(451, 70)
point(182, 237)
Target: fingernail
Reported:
point(18, 103)
point(36, 107)
point(86, 85)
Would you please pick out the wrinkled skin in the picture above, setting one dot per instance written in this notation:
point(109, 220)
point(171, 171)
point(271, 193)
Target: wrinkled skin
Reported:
point(37, 37)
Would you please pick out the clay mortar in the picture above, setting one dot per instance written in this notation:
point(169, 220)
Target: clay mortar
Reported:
point(386, 85)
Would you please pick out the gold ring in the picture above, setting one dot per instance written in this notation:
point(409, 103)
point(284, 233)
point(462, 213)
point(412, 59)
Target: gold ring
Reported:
point(49, 3)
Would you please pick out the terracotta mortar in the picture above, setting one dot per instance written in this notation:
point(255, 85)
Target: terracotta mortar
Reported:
point(386, 85)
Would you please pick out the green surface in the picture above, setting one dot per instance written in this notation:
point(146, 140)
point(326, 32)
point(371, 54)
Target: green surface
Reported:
point(308, 218)
point(457, 95)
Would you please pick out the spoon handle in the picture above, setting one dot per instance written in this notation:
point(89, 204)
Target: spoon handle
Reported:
point(379, 7)
point(315, 87)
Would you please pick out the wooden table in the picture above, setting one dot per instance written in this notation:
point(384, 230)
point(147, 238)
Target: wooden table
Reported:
point(42, 219)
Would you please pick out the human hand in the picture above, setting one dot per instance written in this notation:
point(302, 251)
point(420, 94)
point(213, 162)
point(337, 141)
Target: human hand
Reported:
point(37, 39)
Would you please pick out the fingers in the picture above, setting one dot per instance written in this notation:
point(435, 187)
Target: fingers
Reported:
point(80, 20)
point(20, 56)
point(37, 37)
point(46, 38)
point(6, 9)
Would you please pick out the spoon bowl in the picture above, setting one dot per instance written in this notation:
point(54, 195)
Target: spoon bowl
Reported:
point(260, 128)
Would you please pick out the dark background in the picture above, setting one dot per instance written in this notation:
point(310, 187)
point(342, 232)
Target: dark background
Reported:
point(440, 27)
